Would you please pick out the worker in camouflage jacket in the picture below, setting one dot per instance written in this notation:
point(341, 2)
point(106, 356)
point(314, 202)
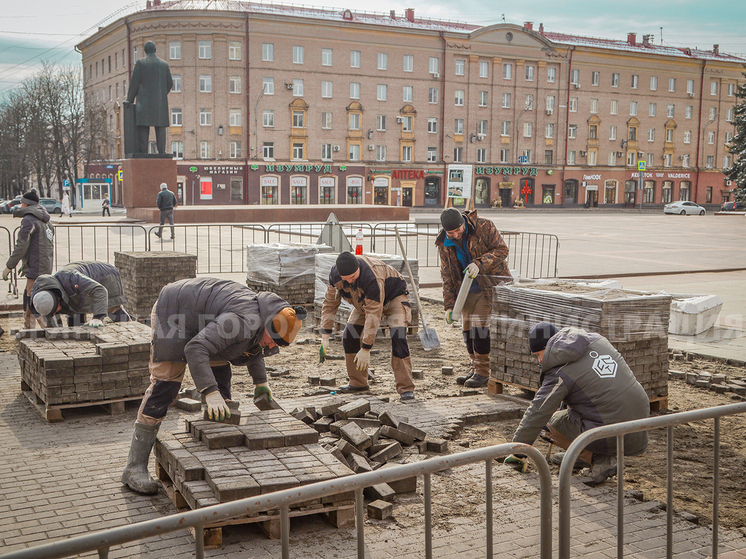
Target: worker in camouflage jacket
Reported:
point(472, 245)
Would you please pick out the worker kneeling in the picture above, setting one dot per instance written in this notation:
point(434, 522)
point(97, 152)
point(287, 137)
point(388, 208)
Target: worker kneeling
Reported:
point(207, 324)
point(583, 371)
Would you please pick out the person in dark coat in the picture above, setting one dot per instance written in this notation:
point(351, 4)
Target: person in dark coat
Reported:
point(150, 83)
point(208, 324)
point(34, 248)
point(166, 202)
point(79, 288)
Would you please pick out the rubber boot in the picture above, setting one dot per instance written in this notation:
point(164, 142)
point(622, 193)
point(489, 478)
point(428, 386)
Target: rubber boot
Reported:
point(135, 475)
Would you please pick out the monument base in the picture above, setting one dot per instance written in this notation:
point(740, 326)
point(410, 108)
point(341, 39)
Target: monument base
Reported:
point(142, 178)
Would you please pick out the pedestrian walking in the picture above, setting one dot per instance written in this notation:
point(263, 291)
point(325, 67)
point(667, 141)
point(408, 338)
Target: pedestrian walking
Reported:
point(166, 202)
point(66, 207)
point(105, 206)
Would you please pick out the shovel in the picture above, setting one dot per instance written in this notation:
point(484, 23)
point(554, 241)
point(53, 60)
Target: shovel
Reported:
point(427, 335)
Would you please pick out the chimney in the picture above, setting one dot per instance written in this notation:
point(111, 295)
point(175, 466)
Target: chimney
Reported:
point(541, 28)
point(632, 38)
point(646, 40)
point(156, 2)
point(409, 14)
point(392, 14)
point(716, 49)
point(147, 5)
point(529, 25)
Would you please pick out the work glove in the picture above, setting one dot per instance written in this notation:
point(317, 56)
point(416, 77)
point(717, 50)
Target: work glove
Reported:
point(362, 359)
point(518, 464)
point(449, 317)
point(6, 273)
point(94, 323)
point(260, 389)
point(324, 348)
point(472, 270)
point(108, 320)
point(217, 409)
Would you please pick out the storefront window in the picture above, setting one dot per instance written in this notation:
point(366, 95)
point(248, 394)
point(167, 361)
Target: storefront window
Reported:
point(298, 195)
point(482, 192)
point(326, 190)
point(355, 190)
point(649, 192)
point(610, 197)
point(666, 192)
point(684, 189)
point(236, 188)
point(547, 195)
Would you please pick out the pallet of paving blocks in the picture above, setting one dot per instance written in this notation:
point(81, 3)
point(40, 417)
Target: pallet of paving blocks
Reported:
point(211, 463)
point(63, 368)
point(636, 325)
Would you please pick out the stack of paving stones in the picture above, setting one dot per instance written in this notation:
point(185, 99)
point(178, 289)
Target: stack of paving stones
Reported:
point(144, 274)
point(716, 382)
point(323, 267)
point(637, 326)
point(286, 269)
point(76, 365)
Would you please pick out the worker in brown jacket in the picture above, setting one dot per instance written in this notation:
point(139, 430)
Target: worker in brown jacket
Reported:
point(472, 245)
point(374, 289)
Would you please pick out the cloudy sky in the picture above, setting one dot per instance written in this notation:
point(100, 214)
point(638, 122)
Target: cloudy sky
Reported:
point(32, 31)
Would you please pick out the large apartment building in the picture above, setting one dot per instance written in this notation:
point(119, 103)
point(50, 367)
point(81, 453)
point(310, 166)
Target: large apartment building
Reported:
point(287, 105)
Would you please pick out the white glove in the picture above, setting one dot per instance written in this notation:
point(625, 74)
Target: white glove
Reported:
point(94, 323)
point(108, 320)
point(362, 359)
point(472, 270)
point(217, 409)
point(6, 273)
point(449, 317)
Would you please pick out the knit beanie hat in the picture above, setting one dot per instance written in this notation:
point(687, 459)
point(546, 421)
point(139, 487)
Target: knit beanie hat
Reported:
point(45, 302)
point(164, 186)
point(539, 335)
point(30, 198)
point(347, 264)
point(286, 324)
point(451, 219)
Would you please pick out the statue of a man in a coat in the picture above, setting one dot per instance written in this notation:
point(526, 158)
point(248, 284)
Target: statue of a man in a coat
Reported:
point(150, 84)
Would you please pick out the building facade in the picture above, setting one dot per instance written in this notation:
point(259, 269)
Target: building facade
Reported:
point(288, 105)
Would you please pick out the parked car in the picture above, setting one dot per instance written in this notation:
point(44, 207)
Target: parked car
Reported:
point(733, 207)
point(684, 208)
point(49, 204)
point(7, 206)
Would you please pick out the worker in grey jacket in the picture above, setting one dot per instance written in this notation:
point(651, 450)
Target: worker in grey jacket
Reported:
point(208, 324)
point(585, 372)
point(79, 288)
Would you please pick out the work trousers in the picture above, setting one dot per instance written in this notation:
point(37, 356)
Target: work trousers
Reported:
point(475, 318)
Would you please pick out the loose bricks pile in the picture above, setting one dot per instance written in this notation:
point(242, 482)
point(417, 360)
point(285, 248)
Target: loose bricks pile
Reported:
point(144, 274)
point(637, 326)
point(716, 382)
point(286, 269)
point(67, 367)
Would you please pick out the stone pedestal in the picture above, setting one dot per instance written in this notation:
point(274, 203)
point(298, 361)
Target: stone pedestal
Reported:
point(142, 180)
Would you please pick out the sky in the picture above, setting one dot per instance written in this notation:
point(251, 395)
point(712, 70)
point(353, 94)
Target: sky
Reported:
point(36, 31)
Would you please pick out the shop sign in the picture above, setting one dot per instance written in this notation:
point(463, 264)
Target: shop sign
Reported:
point(270, 181)
point(411, 174)
point(326, 181)
point(531, 171)
point(663, 175)
point(221, 170)
point(298, 181)
point(355, 181)
point(272, 168)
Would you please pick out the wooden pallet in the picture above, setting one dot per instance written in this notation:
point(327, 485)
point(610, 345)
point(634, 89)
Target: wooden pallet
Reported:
point(53, 412)
point(341, 514)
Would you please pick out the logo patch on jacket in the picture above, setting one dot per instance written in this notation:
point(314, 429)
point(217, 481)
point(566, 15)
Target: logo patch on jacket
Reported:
point(603, 365)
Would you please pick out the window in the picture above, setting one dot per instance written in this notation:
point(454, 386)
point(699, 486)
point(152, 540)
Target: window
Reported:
point(354, 59)
point(458, 126)
point(407, 124)
point(612, 160)
point(175, 117)
point(685, 160)
point(530, 69)
point(205, 50)
point(268, 118)
point(549, 130)
point(326, 89)
point(383, 61)
point(652, 108)
point(268, 52)
point(575, 77)
point(506, 100)
point(726, 161)
point(458, 155)
point(234, 50)
point(380, 153)
point(593, 132)
point(326, 152)
point(614, 107)
point(234, 149)
point(529, 102)
point(298, 151)
point(653, 83)
point(432, 125)
point(459, 97)
point(670, 111)
point(731, 89)
point(710, 161)
point(381, 122)
point(234, 84)
point(505, 155)
point(672, 84)
point(631, 155)
point(550, 103)
point(572, 131)
point(407, 93)
point(713, 87)
point(688, 112)
point(175, 89)
point(297, 88)
point(299, 119)
point(268, 150)
point(432, 154)
point(432, 95)
point(632, 133)
point(297, 55)
point(592, 158)
point(690, 88)
point(687, 136)
point(460, 66)
point(595, 78)
point(507, 71)
point(528, 129)
point(612, 132)
point(174, 50)
point(205, 84)
point(268, 86)
point(354, 121)
point(406, 153)
point(326, 121)
point(483, 98)
point(594, 106)
point(433, 65)
point(728, 112)
point(728, 137)
point(354, 90)
point(571, 157)
point(484, 69)
point(548, 157)
point(381, 92)
point(236, 187)
point(481, 155)
point(482, 127)
point(354, 152)
point(551, 75)
point(648, 196)
point(408, 63)
point(205, 149)
point(177, 148)
point(651, 134)
point(635, 81)
point(573, 104)
point(633, 108)
point(234, 117)
point(326, 57)
point(711, 137)
point(615, 79)
point(669, 135)
point(505, 128)
point(713, 113)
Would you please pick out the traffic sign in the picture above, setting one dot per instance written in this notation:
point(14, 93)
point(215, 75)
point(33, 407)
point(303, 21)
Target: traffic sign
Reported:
point(120, 174)
point(66, 183)
point(640, 165)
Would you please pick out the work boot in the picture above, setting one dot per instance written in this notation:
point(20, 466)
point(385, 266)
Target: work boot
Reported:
point(481, 367)
point(407, 396)
point(476, 381)
point(604, 466)
point(558, 457)
point(135, 475)
point(461, 380)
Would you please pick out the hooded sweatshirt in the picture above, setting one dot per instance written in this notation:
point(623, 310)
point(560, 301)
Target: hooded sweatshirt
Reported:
point(208, 319)
point(35, 243)
point(588, 374)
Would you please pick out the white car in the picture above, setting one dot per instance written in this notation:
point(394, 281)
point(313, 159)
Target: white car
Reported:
point(684, 208)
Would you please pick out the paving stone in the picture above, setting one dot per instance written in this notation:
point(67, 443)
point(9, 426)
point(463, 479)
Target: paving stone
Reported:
point(356, 408)
point(396, 434)
point(355, 435)
point(380, 510)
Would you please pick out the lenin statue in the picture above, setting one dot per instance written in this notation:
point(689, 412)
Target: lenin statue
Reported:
point(150, 83)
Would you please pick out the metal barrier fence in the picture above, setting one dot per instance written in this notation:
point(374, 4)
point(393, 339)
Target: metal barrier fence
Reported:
point(103, 540)
point(619, 430)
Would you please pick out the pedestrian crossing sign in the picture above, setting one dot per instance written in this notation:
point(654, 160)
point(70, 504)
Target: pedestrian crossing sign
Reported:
point(640, 165)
